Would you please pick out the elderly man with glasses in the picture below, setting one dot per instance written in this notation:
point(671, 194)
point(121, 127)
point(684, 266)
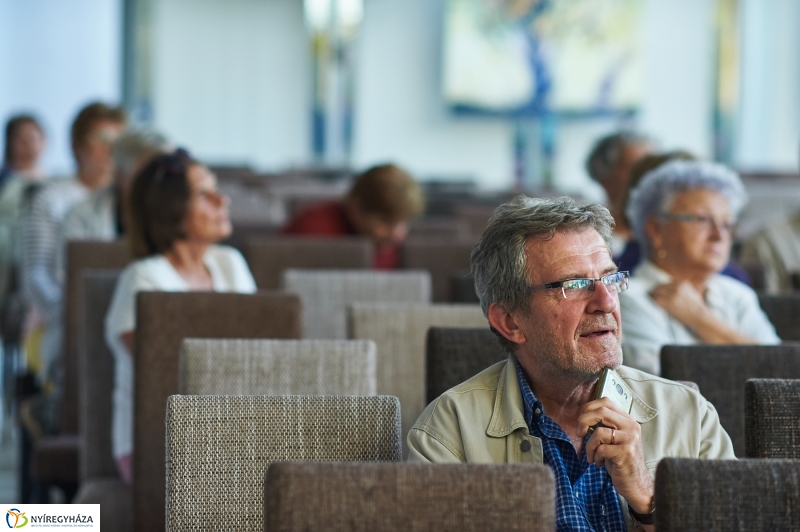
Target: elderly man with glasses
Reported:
point(547, 284)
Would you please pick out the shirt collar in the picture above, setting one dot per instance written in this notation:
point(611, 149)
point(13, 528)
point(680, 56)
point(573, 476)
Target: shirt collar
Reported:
point(508, 414)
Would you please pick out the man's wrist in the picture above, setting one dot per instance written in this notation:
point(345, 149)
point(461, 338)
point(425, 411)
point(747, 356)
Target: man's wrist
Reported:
point(643, 518)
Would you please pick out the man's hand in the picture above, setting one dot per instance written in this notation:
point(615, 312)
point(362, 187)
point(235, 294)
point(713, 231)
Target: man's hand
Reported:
point(617, 445)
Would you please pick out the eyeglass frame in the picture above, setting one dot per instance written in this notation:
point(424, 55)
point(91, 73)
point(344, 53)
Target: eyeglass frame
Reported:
point(589, 289)
point(702, 219)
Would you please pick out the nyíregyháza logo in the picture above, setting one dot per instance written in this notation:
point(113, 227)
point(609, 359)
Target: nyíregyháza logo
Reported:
point(17, 515)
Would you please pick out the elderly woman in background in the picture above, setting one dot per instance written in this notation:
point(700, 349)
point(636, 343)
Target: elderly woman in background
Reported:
point(683, 214)
point(177, 216)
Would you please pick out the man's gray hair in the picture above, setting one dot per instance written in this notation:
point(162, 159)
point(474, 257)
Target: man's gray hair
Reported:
point(499, 263)
point(132, 147)
point(604, 157)
point(655, 192)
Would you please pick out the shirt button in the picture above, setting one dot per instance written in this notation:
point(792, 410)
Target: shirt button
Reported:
point(538, 411)
point(577, 495)
point(525, 446)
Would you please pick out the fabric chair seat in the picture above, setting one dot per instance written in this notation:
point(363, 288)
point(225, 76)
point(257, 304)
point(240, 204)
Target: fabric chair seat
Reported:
point(115, 499)
point(720, 372)
point(722, 495)
point(400, 497)
point(219, 448)
point(55, 459)
point(772, 418)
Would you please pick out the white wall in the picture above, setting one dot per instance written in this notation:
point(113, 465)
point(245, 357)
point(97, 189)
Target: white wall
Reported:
point(677, 45)
point(55, 57)
point(233, 83)
point(769, 128)
point(232, 79)
point(399, 113)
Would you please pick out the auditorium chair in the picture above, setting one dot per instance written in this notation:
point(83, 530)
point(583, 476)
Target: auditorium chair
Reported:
point(163, 320)
point(100, 482)
point(453, 355)
point(441, 257)
point(772, 418)
point(439, 227)
point(400, 330)
point(277, 367)
point(462, 285)
point(362, 497)
point(326, 293)
point(54, 459)
point(721, 371)
point(269, 257)
point(219, 448)
point(695, 495)
point(476, 215)
point(783, 311)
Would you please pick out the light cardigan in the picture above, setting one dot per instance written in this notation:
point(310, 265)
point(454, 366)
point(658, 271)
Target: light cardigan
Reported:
point(646, 326)
point(229, 273)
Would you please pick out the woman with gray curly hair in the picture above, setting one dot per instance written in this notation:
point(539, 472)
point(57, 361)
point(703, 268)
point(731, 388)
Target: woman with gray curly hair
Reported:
point(684, 215)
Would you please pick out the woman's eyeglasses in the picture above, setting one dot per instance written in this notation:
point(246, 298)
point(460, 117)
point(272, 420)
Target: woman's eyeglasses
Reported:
point(706, 222)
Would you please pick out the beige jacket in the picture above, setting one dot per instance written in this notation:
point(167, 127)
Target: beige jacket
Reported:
point(482, 421)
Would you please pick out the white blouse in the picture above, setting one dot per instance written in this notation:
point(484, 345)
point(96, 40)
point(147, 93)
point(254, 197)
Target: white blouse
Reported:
point(229, 273)
point(646, 326)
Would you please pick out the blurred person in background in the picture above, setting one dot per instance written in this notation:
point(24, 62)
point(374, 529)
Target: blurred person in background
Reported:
point(776, 248)
point(20, 174)
point(96, 127)
point(609, 164)
point(101, 216)
point(378, 206)
point(631, 256)
point(177, 216)
point(24, 146)
point(683, 214)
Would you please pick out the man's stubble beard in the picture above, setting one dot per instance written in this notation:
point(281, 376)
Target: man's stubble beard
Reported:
point(569, 362)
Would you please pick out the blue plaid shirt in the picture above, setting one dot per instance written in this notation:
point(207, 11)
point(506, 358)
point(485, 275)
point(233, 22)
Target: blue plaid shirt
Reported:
point(585, 498)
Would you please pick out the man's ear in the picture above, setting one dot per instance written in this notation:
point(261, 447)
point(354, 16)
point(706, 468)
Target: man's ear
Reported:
point(506, 324)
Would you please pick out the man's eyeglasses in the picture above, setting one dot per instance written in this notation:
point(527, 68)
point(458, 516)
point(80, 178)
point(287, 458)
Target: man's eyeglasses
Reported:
point(583, 288)
point(706, 222)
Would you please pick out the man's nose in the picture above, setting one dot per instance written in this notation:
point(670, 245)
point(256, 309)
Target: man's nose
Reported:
point(604, 299)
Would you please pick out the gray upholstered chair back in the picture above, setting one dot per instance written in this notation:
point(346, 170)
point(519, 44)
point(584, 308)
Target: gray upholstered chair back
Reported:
point(269, 257)
point(724, 495)
point(163, 320)
point(782, 311)
point(720, 372)
point(219, 449)
point(277, 367)
point(442, 257)
point(80, 256)
point(453, 355)
point(96, 375)
point(401, 497)
point(462, 285)
point(326, 294)
point(772, 418)
point(439, 227)
point(400, 330)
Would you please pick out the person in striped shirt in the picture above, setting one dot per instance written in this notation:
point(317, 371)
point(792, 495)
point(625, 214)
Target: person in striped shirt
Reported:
point(94, 130)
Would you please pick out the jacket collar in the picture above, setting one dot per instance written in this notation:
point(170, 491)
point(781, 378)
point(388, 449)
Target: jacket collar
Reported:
point(508, 413)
